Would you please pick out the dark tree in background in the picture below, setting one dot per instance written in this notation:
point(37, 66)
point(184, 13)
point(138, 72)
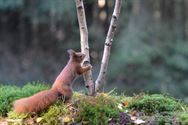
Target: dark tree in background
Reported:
point(149, 53)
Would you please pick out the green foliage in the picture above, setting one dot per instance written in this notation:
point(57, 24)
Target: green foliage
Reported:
point(8, 94)
point(156, 103)
point(31, 88)
point(51, 115)
point(92, 109)
point(14, 115)
point(183, 118)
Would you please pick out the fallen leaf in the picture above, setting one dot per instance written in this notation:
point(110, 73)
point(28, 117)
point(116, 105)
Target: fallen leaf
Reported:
point(120, 106)
point(66, 119)
point(14, 120)
point(39, 119)
point(29, 121)
point(133, 113)
point(126, 103)
point(133, 118)
point(139, 121)
point(103, 94)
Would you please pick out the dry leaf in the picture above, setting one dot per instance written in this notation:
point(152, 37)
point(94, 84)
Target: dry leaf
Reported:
point(120, 106)
point(126, 103)
point(66, 119)
point(39, 119)
point(133, 118)
point(134, 113)
point(139, 121)
point(104, 94)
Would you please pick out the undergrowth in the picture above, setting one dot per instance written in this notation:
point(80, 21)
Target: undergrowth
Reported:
point(104, 109)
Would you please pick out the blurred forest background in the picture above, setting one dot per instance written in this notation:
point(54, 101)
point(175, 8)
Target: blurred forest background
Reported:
point(149, 53)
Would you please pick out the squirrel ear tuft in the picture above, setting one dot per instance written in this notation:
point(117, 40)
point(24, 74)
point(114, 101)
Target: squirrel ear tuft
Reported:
point(71, 52)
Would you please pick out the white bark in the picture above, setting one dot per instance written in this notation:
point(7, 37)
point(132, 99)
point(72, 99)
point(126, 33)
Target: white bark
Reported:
point(101, 79)
point(84, 45)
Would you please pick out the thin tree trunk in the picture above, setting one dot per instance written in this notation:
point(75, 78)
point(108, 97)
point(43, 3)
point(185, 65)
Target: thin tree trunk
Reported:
point(101, 79)
point(84, 45)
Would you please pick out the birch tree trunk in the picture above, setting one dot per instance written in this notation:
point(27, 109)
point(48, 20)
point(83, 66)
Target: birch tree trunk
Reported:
point(84, 45)
point(101, 79)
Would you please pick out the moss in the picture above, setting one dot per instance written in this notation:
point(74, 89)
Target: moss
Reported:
point(183, 118)
point(104, 108)
point(34, 87)
point(8, 94)
point(13, 115)
point(156, 103)
point(166, 120)
point(91, 109)
point(78, 95)
point(52, 114)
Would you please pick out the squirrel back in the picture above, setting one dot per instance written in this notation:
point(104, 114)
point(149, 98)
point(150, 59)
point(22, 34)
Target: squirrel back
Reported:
point(61, 87)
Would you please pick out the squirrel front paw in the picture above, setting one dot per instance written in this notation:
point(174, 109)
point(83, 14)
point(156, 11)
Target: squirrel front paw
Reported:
point(90, 67)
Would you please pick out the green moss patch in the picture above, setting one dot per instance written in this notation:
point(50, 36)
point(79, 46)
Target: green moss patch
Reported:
point(182, 118)
point(91, 109)
point(156, 103)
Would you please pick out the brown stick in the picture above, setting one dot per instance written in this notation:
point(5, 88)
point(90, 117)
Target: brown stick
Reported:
point(84, 45)
point(101, 79)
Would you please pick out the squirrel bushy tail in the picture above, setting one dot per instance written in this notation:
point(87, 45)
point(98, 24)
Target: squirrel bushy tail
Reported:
point(36, 102)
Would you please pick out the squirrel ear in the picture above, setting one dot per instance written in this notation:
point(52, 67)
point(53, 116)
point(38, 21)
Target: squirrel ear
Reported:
point(70, 51)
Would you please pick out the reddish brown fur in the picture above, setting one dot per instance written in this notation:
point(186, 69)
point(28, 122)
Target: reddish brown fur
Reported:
point(62, 86)
point(36, 102)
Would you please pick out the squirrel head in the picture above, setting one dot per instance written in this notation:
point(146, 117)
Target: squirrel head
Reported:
point(76, 56)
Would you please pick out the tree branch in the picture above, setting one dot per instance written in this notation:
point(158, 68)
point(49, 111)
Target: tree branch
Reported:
point(84, 45)
point(101, 79)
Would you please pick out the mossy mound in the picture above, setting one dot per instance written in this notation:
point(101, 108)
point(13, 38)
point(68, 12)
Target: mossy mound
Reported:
point(82, 109)
point(104, 109)
point(156, 103)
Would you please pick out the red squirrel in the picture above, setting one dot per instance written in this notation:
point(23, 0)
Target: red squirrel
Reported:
point(61, 87)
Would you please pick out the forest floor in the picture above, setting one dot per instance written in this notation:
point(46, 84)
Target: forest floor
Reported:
point(104, 109)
